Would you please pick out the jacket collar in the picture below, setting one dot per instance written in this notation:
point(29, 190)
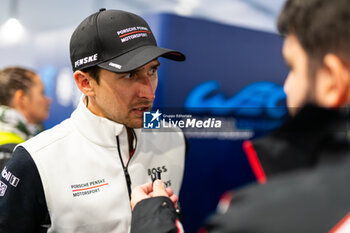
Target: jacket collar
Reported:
point(301, 139)
point(98, 130)
point(314, 124)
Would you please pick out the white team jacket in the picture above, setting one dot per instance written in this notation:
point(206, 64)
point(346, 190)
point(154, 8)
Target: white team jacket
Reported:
point(82, 175)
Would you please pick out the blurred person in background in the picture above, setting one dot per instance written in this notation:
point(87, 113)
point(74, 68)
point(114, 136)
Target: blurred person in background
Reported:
point(307, 160)
point(23, 108)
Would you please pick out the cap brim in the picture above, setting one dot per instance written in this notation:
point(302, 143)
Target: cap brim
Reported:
point(139, 57)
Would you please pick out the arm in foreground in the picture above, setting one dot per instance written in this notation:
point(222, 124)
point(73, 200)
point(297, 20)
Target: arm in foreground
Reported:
point(153, 209)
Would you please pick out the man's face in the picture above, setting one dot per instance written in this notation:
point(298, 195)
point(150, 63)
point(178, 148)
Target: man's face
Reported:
point(37, 105)
point(123, 97)
point(297, 86)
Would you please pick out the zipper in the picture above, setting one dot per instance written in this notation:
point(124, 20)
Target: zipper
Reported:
point(125, 168)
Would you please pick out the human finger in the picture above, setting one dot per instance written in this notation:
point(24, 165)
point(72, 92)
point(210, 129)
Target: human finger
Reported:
point(174, 199)
point(169, 191)
point(139, 193)
point(159, 189)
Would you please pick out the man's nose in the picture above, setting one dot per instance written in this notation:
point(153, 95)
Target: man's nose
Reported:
point(286, 85)
point(48, 99)
point(146, 89)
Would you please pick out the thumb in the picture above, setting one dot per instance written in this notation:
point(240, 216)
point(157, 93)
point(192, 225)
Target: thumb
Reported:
point(159, 189)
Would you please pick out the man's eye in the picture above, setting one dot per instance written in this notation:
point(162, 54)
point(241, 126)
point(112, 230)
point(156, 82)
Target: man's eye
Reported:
point(153, 71)
point(129, 75)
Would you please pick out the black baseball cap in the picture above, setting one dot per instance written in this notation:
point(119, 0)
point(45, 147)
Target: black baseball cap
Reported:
point(117, 41)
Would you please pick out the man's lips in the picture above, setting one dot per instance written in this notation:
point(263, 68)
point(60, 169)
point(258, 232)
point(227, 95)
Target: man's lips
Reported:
point(139, 110)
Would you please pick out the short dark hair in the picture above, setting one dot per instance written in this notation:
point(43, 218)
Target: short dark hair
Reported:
point(13, 79)
point(321, 26)
point(94, 72)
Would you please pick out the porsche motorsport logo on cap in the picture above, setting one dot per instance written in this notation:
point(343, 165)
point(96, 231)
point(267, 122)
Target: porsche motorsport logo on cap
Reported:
point(133, 33)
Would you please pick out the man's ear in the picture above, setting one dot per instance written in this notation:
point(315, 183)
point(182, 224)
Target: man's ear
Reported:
point(85, 83)
point(19, 99)
point(333, 82)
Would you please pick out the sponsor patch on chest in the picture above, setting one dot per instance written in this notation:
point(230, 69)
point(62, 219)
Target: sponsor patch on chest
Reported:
point(88, 188)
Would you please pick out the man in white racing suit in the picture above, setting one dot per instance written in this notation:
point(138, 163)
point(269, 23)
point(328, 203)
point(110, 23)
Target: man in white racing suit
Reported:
point(78, 176)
